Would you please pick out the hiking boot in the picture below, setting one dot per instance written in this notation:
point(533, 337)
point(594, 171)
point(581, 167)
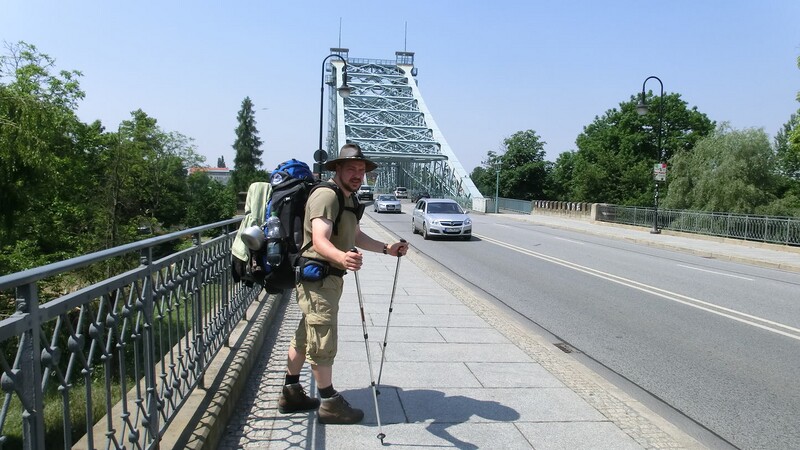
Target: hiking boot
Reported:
point(294, 399)
point(336, 410)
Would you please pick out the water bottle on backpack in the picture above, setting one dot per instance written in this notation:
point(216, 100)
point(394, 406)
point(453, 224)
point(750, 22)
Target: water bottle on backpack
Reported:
point(274, 237)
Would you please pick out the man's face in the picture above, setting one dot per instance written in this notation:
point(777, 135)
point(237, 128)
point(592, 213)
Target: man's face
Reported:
point(351, 175)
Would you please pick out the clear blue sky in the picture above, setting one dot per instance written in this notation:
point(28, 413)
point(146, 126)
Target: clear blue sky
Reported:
point(486, 68)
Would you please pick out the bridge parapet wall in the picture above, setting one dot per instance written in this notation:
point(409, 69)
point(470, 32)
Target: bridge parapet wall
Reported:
point(573, 209)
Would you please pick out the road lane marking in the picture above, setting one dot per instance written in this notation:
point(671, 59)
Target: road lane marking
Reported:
point(765, 324)
point(568, 240)
point(715, 272)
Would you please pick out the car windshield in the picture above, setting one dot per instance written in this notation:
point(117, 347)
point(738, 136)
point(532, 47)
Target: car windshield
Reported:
point(387, 198)
point(444, 208)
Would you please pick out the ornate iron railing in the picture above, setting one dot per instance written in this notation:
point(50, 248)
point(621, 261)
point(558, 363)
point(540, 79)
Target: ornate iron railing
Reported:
point(128, 349)
point(772, 229)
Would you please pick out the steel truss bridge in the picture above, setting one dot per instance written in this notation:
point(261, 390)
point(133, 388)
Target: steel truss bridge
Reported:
point(386, 116)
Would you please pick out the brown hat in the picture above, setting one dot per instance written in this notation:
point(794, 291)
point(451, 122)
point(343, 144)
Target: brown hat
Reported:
point(350, 152)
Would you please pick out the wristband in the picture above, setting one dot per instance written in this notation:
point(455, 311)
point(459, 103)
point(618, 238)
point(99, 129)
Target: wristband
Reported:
point(385, 249)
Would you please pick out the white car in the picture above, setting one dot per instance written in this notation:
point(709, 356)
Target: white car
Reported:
point(441, 217)
point(365, 192)
point(401, 192)
point(387, 203)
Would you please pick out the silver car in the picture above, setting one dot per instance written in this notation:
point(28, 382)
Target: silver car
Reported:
point(440, 217)
point(387, 203)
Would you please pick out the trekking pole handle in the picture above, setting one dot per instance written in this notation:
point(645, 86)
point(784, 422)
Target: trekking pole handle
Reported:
point(402, 241)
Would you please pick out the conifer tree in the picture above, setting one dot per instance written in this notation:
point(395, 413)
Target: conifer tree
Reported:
point(247, 145)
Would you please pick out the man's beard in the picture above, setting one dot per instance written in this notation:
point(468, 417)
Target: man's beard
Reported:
point(348, 186)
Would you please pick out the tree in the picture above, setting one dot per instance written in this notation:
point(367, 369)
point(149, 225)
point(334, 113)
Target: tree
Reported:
point(617, 151)
point(37, 122)
point(524, 170)
point(484, 176)
point(247, 145)
point(728, 171)
point(787, 150)
point(560, 177)
point(209, 201)
point(45, 157)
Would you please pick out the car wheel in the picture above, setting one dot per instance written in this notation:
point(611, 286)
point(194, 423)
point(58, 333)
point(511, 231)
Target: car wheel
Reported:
point(413, 227)
point(425, 234)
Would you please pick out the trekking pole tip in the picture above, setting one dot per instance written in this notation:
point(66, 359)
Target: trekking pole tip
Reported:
point(381, 436)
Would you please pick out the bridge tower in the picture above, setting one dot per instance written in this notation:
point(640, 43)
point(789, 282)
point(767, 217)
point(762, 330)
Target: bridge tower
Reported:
point(386, 115)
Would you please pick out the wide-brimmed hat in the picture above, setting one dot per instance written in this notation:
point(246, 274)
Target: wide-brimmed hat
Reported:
point(350, 152)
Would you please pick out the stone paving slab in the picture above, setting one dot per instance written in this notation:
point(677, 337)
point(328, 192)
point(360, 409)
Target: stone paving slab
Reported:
point(409, 374)
point(396, 334)
point(576, 435)
point(473, 335)
point(429, 435)
point(516, 375)
point(456, 351)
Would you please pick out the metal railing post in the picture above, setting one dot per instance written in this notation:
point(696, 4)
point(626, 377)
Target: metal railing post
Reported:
point(28, 379)
point(197, 307)
point(152, 403)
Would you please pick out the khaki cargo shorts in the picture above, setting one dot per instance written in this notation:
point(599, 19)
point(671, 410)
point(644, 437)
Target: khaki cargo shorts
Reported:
point(316, 332)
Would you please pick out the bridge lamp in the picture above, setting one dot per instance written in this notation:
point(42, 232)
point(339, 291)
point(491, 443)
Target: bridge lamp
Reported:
point(642, 109)
point(344, 92)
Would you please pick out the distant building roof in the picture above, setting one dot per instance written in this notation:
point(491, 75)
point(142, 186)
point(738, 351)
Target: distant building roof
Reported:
point(221, 174)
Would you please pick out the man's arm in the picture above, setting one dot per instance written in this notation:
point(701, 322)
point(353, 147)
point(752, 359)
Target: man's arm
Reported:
point(364, 241)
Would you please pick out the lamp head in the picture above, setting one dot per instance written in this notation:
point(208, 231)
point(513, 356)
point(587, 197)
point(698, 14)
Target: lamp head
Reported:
point(642, 108)
point(344, 91)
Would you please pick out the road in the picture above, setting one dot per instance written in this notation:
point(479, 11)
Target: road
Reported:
point(718, 342)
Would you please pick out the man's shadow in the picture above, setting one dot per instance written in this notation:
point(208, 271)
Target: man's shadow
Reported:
point(398, 405)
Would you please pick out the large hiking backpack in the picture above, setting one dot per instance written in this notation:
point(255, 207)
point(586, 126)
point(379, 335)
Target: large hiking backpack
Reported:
point(292, 183)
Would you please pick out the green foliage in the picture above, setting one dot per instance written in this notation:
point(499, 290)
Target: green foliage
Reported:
point(617, 151)
point(485, 178)
point(248, 153)
point(787, 148)
point(728, 171)
point(209, 201)
point(68, 188)
point(560, 177)
point(523, 170)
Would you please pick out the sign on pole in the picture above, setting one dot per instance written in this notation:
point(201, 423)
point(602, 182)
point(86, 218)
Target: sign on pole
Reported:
point(660, 172)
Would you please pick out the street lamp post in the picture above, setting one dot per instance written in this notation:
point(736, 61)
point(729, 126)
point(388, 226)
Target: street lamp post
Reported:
point(497, 188)
point(344, 92)
point(642, 109)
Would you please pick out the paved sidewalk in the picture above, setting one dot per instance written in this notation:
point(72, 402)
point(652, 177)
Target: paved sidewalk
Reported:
point(458, 374)
point(756, 253)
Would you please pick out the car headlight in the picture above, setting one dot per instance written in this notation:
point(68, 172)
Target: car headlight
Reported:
point(435, 222)
point(468, 221)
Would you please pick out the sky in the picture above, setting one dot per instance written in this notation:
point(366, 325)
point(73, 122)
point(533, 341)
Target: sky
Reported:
point(486, 69)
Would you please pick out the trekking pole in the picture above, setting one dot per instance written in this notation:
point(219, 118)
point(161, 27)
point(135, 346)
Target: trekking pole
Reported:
point(389, 317)
point(380, 436)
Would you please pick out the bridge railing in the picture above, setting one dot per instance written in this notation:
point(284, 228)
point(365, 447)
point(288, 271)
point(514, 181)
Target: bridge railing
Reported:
point(770, 229)
point(128, 349)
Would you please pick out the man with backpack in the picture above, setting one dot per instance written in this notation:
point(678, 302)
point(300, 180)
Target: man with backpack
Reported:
point(329, 236)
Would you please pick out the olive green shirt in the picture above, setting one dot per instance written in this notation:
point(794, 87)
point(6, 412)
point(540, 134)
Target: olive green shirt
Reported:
point(322, 203)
